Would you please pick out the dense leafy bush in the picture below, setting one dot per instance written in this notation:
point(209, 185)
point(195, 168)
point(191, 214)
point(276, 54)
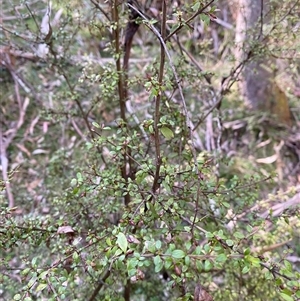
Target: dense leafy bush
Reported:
point(137, 181)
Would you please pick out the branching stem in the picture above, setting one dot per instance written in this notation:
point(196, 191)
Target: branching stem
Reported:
point(158, 98)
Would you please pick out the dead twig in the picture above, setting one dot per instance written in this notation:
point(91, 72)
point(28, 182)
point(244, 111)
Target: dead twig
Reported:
point(6, 141)
point(189, 123)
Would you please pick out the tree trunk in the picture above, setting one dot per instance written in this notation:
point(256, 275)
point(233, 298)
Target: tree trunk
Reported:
point(257, 79)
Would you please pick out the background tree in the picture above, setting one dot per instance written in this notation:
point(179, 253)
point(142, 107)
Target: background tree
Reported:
point(254, 21)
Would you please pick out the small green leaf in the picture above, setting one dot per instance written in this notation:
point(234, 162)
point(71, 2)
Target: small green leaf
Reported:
point(288, 265)
point(132, 263)
point(229, 242)
point(137, 255)
point(117, 252)
point(79, 177)
point(33, 261)
point(76, 257)
point(207, 265)
point(207, 248)
point(108, 241)
point(41, 286)
point(158, 263)
point(253, 260)
point(213, 9)
point(151, 246)
point(25, 272)
point(17, 297)
point(131, 272)
point(121, 258)
point(221, 258)
point(96, 125)
point(198, 250)
point(286, 297)
point(43, 274)
point(158, 245)
point(152, 209)
point(239, 235)
point(168, 134)
point(268, 275)
point(154, 91)
point(199, 266)
point(73, 182)
point(75, 190)
point(140, 176)
point(249, 228)
point(156, 259)
point(178, 254)
point(226, 205)
point(168, 262)
point(188, 244)
point(205, 19)
point(247, 251)
point(122, 242)
point(196, 6)
point(31, 282)
point(187, 260)
point(209, 235)
point(174, 27)
point(245, 270)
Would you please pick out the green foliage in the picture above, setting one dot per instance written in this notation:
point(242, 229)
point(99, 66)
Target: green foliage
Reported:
point(134, 207)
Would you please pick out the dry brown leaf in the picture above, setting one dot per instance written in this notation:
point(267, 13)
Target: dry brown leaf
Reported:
point(33, 124)
point(267, 160)
point(201, 294)
point(65, 230)
point(133, 239)
point(40, 151)
point(32, 185)
point(23, 149)
point(45, 127)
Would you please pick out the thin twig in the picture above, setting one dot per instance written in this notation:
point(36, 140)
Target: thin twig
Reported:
point(130, 111)
point(101, 9)
point(32, 16)
point(200, 11)
point(121, 90)
point(100, 285)
point(158, 99)
point(229, 80)
point(5, 144)
point(188, 120)
point(227, 83)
